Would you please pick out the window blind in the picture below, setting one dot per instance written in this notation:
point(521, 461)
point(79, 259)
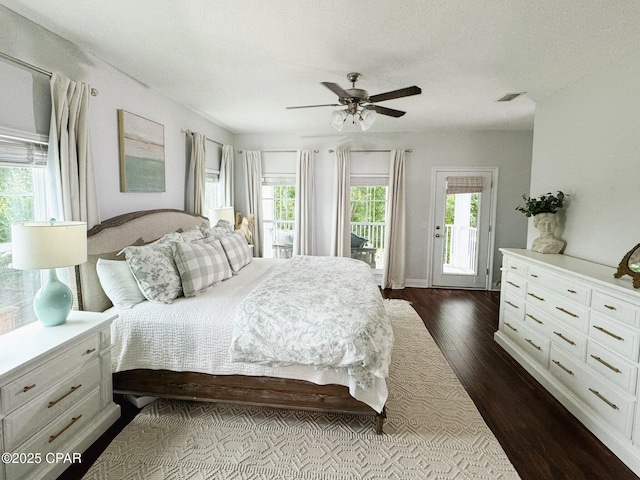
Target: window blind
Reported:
point(363, 180)
point(464, 185)
point(22, 152)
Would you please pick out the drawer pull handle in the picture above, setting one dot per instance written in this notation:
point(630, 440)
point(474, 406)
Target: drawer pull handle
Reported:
point(605, 400)
point(567, 312)
point(515, 268)
point(533, 318)
point(534, 275)
point(90, 351)
point(604, 330)
point(533, 344)
point(514, 284)
point(606, 364)
point(73, 420)
point(570, 342)
point(571, 291)
point(508, 302)
point(610, 307)
point(536, 297)
point(28, 387)
point(511, 326)
point(562, 367)
point(73, 389)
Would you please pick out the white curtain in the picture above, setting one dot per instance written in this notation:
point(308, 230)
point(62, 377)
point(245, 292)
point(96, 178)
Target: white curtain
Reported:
point(71, 186)
point(303, 243)
point(340, 228)
point(196, 175)
point(393, 275)
point(253, 175)
point(225, 181)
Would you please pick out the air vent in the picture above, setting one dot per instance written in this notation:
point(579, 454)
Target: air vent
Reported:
point(507, 97)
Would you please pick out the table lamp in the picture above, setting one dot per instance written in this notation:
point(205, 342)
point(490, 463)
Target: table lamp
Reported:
point(49, 245)
point(222, 213)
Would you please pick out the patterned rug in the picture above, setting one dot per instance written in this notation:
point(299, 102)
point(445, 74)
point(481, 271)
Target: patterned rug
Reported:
point(433, 431)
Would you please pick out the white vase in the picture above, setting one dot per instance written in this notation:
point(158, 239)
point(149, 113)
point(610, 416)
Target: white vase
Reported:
point(546, 223)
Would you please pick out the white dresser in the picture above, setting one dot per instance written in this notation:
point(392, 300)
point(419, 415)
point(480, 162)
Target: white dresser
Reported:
point(576, 329)
point(55, 394)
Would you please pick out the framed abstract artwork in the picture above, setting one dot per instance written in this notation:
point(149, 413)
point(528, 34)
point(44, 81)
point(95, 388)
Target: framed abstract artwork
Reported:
point(141, 154)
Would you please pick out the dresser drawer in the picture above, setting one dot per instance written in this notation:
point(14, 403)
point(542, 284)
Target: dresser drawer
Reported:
point(537, 320)
point(41, 410)
point(515, 266)
point(609, 402)
point(514, 305)
point(618, 309)
point(569, 340)
point(614, 335)
point(33, 383)
point(573, 314)
point(613, 367)
point(534, 345)
point(54, 436)
point(515, 285)
point(561, 286)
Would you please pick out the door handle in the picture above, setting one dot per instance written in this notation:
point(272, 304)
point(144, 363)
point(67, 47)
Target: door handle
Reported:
point(437, 235)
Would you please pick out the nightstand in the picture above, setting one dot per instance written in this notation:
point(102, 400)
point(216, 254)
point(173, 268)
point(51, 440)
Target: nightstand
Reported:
point(56, 396)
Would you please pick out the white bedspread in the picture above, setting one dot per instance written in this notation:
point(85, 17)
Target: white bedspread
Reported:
point(194, 334)
point(320, 311)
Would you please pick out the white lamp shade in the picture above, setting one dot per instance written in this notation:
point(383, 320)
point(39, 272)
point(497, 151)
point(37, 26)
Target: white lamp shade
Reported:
point(37, 245)
point(222, 213)
point(338, 118)
point(367, 118)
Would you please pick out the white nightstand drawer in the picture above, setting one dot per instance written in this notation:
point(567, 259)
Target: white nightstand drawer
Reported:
point(618, 309)
point(54, 436)
point(611, 366)
point(606, 400)
point(614, 335)
point(36, 414)
point(36, 381)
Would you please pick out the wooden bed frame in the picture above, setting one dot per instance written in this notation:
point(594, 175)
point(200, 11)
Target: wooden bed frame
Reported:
point(109, 237)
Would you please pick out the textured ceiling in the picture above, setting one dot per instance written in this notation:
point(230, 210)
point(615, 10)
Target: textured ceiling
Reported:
point(241, 62)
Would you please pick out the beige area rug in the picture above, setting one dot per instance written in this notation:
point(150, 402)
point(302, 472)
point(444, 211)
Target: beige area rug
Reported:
point(433, 431)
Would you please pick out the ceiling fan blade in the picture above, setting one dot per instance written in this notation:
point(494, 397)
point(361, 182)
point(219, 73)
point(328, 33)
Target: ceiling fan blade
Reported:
point(314, 106)
point(403, 92)
point(386, 111)
point(335, 88)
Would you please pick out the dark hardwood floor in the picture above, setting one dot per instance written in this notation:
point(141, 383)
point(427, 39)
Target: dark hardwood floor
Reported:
point(541, 438)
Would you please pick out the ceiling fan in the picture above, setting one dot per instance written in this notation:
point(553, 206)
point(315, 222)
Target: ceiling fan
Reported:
point(360, 105)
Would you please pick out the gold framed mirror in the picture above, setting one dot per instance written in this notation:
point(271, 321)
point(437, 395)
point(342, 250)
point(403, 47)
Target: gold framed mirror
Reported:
point(630, 265)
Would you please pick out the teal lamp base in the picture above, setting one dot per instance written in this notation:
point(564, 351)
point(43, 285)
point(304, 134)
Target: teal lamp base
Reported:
point(53, 301)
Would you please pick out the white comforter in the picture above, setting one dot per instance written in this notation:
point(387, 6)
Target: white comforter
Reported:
point(321, 311)
point(194, 334)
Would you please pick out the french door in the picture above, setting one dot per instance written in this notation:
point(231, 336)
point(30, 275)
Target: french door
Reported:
point(462, 238)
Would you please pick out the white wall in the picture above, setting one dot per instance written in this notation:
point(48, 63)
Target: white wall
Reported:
point(510, 151)
point(31, 43)
point(587, 144)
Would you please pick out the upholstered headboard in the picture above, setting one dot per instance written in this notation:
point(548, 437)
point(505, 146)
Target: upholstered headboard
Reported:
point(106, 239)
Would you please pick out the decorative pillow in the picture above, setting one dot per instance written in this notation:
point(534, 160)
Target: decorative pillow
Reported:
point(169, 237)
point(215, 232)
point(119, 283)
point(357, 242)
point(192, 235)
point(237, 250)
point(155, 270)
point(200, 265)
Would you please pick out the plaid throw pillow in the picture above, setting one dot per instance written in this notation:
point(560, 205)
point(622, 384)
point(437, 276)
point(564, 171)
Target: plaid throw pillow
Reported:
point(200, 266)
point(237, 250)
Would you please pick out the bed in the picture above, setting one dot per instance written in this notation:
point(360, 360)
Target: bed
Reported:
point(148, 355)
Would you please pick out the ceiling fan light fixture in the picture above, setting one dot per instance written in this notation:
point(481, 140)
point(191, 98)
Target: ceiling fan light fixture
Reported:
point(338, 118)
point(367, 118)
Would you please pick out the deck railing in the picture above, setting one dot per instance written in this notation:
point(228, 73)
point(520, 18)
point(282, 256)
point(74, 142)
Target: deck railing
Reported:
point(461, 247)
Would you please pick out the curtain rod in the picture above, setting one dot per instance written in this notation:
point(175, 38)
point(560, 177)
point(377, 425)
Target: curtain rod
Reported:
point(189, 132)
point(279, 151)
point(373, 151)
point(94, 92)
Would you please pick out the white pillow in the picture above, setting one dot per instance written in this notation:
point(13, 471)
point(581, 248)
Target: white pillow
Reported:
point(201, 265)
point(119, 283)
point(237, 250)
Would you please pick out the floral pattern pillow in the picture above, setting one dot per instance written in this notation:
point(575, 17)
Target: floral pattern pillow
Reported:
point(155, 270)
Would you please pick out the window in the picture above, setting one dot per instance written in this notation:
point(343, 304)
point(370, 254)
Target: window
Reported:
point(22, 199)
point(212, 194)
point(278, 212)
point(368, 216)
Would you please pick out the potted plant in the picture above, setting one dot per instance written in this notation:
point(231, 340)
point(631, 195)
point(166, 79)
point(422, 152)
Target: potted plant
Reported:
point(544, 212)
